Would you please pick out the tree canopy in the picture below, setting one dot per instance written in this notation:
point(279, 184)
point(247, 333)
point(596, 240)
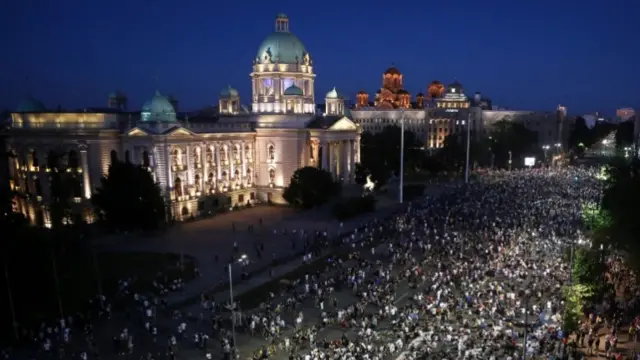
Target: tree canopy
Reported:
point(310, 187)
point(380, 153)
point(615, 222)
point(128, 199)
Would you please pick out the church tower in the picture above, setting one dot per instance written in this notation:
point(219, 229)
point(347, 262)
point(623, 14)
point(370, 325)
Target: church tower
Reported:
point(334, 103)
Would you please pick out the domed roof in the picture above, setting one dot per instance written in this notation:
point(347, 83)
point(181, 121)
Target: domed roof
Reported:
point(228, 92)
point(31, 104)
point(158, 109)
point(293, 90)
point(283, 47)
point(333, 94)
point(403, 92)
point(455, 87)
point(393, 71)
point(362, 92)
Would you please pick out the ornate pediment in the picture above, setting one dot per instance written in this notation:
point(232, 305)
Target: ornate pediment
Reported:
point(136, 131)
point(343, 124)
point(179, 131)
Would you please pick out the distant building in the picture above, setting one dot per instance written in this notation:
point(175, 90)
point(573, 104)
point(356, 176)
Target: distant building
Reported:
point(625, 113)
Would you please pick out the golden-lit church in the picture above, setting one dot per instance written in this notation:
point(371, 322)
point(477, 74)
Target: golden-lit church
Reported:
point(202, 161)
point(444, 110)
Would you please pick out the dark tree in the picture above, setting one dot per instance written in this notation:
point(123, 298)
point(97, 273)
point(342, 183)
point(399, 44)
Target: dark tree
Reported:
point(380, 153)
point(129, 199)
point(580, 136)
point(624, 134)
point(620, 202)
point(511, 140)
point(310, 187)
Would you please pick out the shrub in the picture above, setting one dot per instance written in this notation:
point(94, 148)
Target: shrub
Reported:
point(353, 206)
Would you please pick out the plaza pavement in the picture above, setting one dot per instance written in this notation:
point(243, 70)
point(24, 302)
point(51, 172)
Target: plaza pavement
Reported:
point(204, 239)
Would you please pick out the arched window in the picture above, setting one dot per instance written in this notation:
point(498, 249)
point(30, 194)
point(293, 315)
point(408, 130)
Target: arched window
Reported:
point(52, 160)
point(146, 161)
point(236, 174)
point(34, 158)
point(272, 176)
point(236, 152)
point(127, 155)
point(247, 151)
point(223, 155)
point(114, 157)
point(197, 158)
point(38, 186)
point(210, 178)
point(209, 156)
point(177, 157)
point(197, 180)
point(249, 179)
point(76, 187)
point(224, 175)
point(271, 152)
point(177, 185)
point(185, 211)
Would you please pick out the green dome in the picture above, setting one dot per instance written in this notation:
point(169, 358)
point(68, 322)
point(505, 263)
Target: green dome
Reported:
point(333, 94)
point(31, 104)
point(293, 90)
point(158, 109)
point(283, 47)
point(228, 92)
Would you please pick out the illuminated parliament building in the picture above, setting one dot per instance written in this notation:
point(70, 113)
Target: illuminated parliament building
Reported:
point(201, 161)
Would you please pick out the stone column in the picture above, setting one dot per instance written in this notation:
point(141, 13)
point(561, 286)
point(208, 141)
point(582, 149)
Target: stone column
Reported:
point(344, 161)
point(168, 165)
point(190, 165)
point(243, 158)
point(357, 149)
point(84, 162)
point(325, 155)
point(216, 154)
point(352, 161)
point(205, 167)
point(232, 160)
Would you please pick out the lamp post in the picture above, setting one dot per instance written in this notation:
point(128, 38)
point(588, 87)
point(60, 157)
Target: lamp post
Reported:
point(545, 148)
point(527, 296)
point(232, 303)
point(558, 147)
point(510, 160)
point(466, 170)
point(401, 184)
point(10, 296)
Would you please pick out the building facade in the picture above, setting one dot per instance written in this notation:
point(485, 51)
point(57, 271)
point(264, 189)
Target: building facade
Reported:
point(443, 111)
point(202, 162)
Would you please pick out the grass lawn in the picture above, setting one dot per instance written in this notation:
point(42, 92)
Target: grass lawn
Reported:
point(35, 294)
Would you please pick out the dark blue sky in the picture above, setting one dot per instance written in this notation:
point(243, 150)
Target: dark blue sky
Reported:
point(522, 54)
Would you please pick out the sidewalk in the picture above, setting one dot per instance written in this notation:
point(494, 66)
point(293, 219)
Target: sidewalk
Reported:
point(260, 276)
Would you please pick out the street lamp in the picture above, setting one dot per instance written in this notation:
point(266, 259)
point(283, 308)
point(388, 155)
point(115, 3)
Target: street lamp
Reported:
point(466, 170)
point(527, 296)
point(400, 195)
point(243, 260)
point(545, 148)
point(558, 147)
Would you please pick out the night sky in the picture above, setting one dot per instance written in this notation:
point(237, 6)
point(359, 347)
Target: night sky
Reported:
point(528, 55)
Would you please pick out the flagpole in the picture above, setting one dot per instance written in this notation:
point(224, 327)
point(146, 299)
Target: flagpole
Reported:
point(57, 281)
point(10, 296)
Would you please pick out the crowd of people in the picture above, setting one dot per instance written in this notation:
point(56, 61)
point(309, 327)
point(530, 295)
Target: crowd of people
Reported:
point(475, 273)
